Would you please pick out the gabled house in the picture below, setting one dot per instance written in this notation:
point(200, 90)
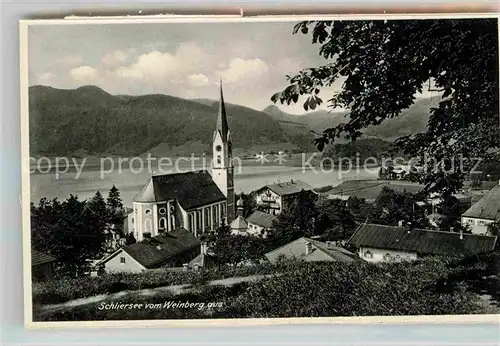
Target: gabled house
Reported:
point(367, 189)
point(275, 198)
point(259, 223)
point(42, 266)
point(172, 249)
point(311, 250)
point(381, 243)
point(483, 212)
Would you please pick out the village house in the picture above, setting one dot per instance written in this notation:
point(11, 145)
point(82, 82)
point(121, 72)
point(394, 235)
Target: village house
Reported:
point(42, 266)
point(197, 201)
point(483, 212)
point(311, 250)
point(381, 243)
point(206, 258)
point(260, 223)
point(366, 189)
point(275, 198)
point(167, 250)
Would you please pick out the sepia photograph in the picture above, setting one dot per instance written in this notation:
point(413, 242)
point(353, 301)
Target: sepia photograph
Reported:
point(249, 169)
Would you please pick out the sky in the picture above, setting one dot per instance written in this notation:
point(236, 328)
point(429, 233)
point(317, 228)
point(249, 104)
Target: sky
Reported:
point(181, 59)
point(186, 60)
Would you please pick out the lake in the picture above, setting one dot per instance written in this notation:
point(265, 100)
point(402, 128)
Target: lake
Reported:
point(249, 176)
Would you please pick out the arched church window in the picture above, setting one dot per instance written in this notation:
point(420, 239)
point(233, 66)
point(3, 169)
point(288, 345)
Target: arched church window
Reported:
point(162, 211)
point(163, 223)
point(215, 215)
point(147, 211)
point(207, 218)
point(191, 222)
point(219, 159)
point(198, 220)
point(148, 226)
point(218, 148)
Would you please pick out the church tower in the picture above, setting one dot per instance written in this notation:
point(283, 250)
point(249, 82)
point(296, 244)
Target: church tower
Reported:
point(222, 166)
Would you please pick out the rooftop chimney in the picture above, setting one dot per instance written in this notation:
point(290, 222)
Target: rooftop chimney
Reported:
point(309, 248)
point(203, 248)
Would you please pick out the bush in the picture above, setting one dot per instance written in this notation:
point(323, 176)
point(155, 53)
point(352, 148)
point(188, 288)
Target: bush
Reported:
point(357, 289)
point(61, 290)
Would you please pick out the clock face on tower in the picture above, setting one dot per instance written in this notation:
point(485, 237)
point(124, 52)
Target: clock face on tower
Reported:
point(218, 148)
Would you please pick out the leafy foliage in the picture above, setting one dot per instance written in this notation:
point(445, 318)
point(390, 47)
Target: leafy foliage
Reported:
point(383, 64)
point(74, 231)
point(298, 289)
point(296, 221)
point(358, 289)
point(235, 249)
point(65, 289)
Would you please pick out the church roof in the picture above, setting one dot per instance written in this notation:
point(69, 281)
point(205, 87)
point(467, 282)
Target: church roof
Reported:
point(191, 189)
point(222, 126)
point(239, 223)
point(487, 207)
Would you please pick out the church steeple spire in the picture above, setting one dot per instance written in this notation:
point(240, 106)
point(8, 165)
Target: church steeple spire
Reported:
point(222, 125)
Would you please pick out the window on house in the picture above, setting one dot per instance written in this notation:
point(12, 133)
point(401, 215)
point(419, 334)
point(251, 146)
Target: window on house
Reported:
point(122, 260)
point(387, 257)
point(368, 254)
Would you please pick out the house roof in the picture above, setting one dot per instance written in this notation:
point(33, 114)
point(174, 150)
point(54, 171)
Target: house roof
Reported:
point(239, 223)
point(38, 258)
point(203, 260)
point(370, 189)
point(289, 187)
point(297, 249)
point(155, 252)
point(421, 241)
point(191, 189)
point(262, 219)
point(487, 207)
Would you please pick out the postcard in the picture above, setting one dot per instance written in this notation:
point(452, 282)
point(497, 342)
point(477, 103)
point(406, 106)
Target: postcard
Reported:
point(202, 171)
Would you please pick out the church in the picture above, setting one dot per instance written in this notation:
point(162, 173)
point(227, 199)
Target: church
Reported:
point(198, 201)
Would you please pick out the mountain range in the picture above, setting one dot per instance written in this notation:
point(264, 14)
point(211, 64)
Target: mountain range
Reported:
point(90, 121)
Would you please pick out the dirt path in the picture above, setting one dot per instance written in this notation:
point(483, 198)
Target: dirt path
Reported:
point(175, 289)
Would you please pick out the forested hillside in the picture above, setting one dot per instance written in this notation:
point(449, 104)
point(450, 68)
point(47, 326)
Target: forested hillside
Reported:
point(89, 120)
